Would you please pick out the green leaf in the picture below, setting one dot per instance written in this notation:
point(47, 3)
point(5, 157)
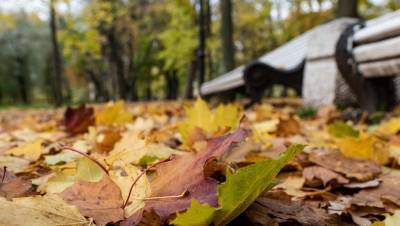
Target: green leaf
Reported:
point(341, 129)
point(239, 191)
point(242, 188)
point(197, 215)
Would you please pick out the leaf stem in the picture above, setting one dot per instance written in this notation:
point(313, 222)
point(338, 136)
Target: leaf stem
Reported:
point(87, 156)
point(4, 173)
point(138, 177)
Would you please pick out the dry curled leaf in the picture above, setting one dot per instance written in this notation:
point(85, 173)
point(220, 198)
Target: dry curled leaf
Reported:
point(361, 170)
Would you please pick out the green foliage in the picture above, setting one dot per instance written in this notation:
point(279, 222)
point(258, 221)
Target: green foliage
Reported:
point(341, 129)
point(197, 215)
point(306, 112)
point(238, 192)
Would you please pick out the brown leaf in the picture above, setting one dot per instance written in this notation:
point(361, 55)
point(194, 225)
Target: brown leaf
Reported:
point(288, 127)
point(323, 175)
point(185, 174)
point(78, 120)
point(282, 209)
point(100, 200)
point(386, 195)
point(361, 170)
point(12, 186)
point(107, 138)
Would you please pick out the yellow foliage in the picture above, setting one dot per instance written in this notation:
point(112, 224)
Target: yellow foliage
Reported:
point(31, 150)
point(114, 114)
point(390, 127)
point(200, 116)
point(365, 146)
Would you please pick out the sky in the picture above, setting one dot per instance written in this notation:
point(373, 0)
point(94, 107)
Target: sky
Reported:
point(40, 6)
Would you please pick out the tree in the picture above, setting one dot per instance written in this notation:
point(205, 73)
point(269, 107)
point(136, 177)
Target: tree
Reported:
point(347, 8)
point(227, 35)
point(57, 61)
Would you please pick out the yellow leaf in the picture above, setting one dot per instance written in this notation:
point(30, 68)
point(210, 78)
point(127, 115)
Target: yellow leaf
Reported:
point(390, 127)
point(114, 114)
point(201, 117)
point(38, 211)
point(131, 149)
point(124, 175)
point(31, 150)
point(87, 170)
point(59, 182)
point(390, 220)
point(365, 146)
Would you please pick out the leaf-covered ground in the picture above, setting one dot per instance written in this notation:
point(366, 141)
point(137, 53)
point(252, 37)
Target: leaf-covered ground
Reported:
point(186, 163)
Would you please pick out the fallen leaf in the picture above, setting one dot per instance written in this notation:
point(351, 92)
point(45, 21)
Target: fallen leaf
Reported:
point(292, 185)
point(78, 120)
point(186, 173)
point(59, 182)
point(197, 215)
point(13, 164)
point(131, 149)
point(237, 192)
point(390, 127)
point(39, 211)
point(361, 170)
point(324, 175)
point(383, 195)
point(100, 200)
point(390, 220)
point(288, 127)
point(288, 212)
point(12, 186)
point(106, 139)
point(87, 170)
point(200, 116)
point(62, 157)
point(114, 114)
point(30, 150)
point(364, 146)
point(341, 129)
point(124, 175)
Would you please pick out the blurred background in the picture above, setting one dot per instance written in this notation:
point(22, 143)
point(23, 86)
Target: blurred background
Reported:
point(55, 52)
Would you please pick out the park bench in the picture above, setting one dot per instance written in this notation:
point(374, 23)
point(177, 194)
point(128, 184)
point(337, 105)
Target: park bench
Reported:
point(344, 61)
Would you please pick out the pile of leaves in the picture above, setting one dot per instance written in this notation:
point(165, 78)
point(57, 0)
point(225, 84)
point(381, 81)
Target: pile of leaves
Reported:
point(185, 163)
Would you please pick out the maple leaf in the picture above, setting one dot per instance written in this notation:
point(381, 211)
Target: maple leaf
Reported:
point(238, 192)
point(200, 116)
point(38, 211)
point(390, 127)
point(114, 114)
point(365, 146)
point(184, 176)
point(77, 120)
point(100, 200)
point(124, 175)
point(30, 150)
point(132, 149)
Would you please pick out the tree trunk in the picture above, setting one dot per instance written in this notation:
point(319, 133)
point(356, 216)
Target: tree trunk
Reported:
point(57, 62)
point(117, 63)
point(202, 43)
point(23, 79)
point(190, 78)
point(227, 35)
point(347, 8)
